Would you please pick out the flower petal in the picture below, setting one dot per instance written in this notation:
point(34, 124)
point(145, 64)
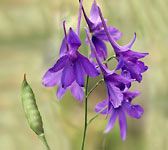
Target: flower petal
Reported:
point(120, 63)
point(136, 55)
point(114, 94)
point(100, 106)
point(79, 73)
point(59, 64)
point(122, 123)
point(112, 121)
point(115, 34)
point(134, 111)
point(88, 67)
point(94, 14)
point(67, 76)
point(51, 78)
point(117, 78)
point(73, 40)
point(142, 66)
point(77, 91)
point(135, 69)
point(100, 46)
point(60, 92)
point(128, 46)
point(128, 95)
point(63, 48)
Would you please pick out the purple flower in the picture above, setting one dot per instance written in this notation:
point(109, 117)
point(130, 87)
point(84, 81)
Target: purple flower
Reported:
point(70, 69)
point(115, 83)
point(98, 33)
point(128, 59)
point(134, 111)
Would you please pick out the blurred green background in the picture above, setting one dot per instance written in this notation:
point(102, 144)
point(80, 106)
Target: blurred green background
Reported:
point(30, 38)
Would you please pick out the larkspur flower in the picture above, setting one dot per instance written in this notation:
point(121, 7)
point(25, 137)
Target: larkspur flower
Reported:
point(128, 59)
point(98, 33)
point(115, 83)
point(134, 111)
point(70, 70)
point(119, 99)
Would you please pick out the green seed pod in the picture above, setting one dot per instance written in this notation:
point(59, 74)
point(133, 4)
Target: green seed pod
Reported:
point(30, 108)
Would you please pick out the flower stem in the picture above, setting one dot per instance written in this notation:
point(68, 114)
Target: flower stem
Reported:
point(85, 125)
point(107, 60)
point(110, 58)
point(44, 141)
point(96, 115)
point(95, 86)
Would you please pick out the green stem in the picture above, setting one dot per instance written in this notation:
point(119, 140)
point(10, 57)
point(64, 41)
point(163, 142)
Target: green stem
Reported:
point(85, 126)
point(95, 86)
point(107, 60)
point(95, 116)
point(44, 141)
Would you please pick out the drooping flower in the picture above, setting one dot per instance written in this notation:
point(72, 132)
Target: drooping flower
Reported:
point(98, 33)
point(70, 69)
point(115, 83)
point(128, 59)
point(134, 111)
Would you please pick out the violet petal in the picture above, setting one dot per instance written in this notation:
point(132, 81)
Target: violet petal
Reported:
point(51, 78)
point(100, 46)
point(94, 15)
point(67, 76)
point(73, 40)
point(60, 92)
point(122, 123)
point(134, 111)
point(100, 106)
point(112, 121)
point(59, 64)
point(131, 95)
point(77, 91)
point(115, 34)
point(63, 48)
point(114, 94)
point(120, 63)
point(88, 67)
point(79, 73)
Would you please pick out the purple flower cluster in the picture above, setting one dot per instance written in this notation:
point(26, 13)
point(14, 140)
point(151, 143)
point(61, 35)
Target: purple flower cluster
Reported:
point(119, 99)
point(72, 67)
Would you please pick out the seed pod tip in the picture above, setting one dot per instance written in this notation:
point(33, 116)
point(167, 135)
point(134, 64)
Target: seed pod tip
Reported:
point(24, 76)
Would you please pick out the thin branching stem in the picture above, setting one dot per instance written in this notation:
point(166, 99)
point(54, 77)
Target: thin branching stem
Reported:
point(96, 115)
point(85, 125)
point(94, 87)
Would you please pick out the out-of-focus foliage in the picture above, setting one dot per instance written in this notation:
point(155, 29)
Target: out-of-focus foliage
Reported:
point(30, 37)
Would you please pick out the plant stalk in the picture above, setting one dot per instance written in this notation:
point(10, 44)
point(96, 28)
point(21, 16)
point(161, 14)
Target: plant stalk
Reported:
point(85, 125)
point(44, 141)
point(96, 115)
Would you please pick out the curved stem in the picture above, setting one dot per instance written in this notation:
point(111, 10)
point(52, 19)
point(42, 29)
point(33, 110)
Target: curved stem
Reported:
point(95, 116)
point(93, 88)
point(85, 125)
point(44, 141)
point(107, 60)
point(110, 58)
